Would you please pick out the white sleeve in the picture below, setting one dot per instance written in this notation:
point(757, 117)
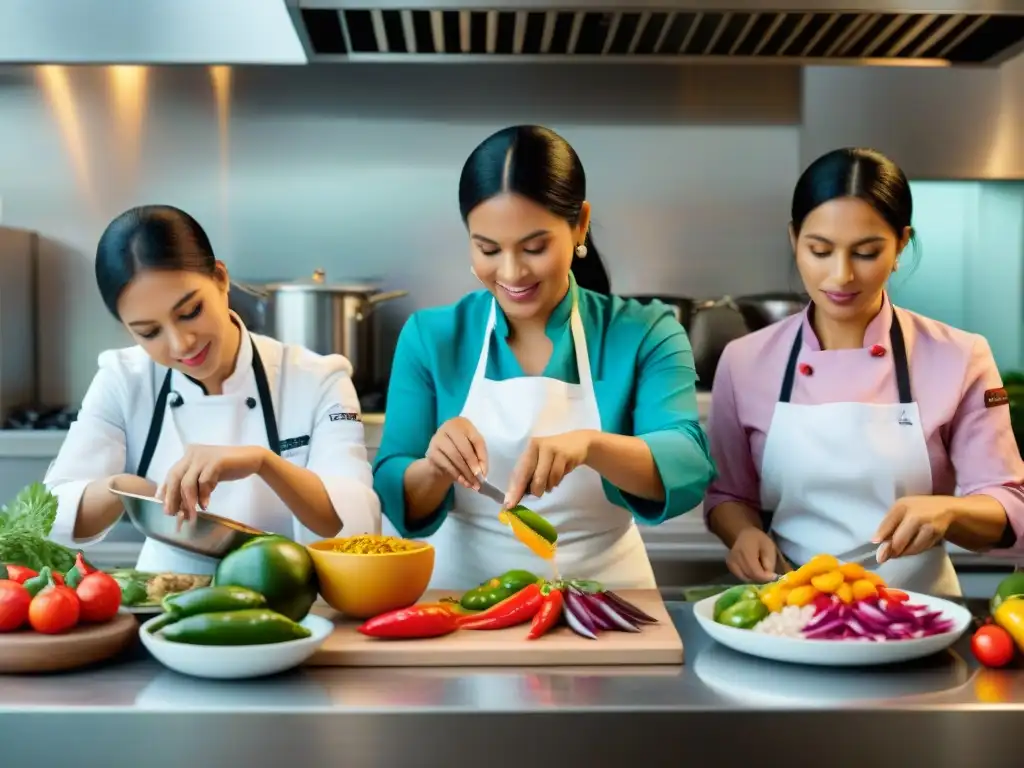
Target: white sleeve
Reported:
point(337, 453)
point(94, 448)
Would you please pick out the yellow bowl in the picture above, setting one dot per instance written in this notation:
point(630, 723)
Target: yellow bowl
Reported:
point(363, 586)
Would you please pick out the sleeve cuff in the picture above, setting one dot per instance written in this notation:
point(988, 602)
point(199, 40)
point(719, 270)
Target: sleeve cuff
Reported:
point(1013, 502)
point(685, 470)
point(356, 505)
point(69, 496)
point(389, 483)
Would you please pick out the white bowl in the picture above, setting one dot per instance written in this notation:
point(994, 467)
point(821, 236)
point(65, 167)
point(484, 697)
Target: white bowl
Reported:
point(235, 662)
point(836, 653)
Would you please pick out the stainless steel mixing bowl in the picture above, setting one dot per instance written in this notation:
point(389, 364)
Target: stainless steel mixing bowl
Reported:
point(208, 535)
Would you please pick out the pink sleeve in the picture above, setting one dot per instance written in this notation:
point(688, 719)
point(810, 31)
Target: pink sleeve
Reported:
point(737, 478)
point(982, 447)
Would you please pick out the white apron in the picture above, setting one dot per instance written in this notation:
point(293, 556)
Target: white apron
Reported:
point(596, 539)
point(241, 418)
point(831, 472)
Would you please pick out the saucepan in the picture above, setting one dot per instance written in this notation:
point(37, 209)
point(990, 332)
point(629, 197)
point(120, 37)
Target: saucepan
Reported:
point(681, 306)
point(762, 309)
point(208, 535)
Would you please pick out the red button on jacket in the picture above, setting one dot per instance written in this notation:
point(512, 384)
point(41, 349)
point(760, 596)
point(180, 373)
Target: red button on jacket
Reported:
point(878, 351)
point(805, 369)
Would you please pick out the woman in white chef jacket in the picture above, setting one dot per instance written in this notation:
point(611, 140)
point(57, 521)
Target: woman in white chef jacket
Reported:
point(581, 402)
point(204, 412)
point(857, 428)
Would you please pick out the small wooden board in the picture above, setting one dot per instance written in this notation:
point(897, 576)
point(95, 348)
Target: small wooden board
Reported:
point(28, 651)
point(655, 644)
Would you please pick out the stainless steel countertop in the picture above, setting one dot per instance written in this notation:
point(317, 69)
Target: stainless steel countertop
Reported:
point(719, 704)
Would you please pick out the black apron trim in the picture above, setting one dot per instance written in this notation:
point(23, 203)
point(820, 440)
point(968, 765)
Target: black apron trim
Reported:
point(160, 409)
point(155, 426)
point(899, 358)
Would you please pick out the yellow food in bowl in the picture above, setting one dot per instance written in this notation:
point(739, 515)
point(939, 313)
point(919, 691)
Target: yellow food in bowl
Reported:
point(359, 578)
point(368, 544)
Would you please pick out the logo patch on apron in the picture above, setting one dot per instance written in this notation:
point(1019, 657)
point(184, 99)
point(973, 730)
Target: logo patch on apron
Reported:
point(994, 397)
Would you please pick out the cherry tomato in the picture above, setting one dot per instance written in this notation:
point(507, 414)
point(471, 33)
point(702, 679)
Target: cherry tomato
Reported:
point(20, 573)
point(54, 610)
point(100, 597)
point(14, 601)
point(993, 646)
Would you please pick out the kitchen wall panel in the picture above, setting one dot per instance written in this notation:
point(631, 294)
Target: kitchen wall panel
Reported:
point(355, 168)
point(937, 123)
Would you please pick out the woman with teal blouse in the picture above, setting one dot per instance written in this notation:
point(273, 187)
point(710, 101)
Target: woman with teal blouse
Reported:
point(579, 404)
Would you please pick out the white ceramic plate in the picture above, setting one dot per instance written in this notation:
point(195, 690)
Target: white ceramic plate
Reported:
point(836, 653)
point(234, 662)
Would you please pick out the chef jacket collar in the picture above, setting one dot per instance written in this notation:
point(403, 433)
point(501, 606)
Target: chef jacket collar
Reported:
point(240, 379)
point(559, 316)
point(877, 331)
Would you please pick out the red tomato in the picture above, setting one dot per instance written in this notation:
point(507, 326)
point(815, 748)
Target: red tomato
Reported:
point(54, 610)
point(14, 601)
point(100, 597)
point(20, 573)
point(993, 646)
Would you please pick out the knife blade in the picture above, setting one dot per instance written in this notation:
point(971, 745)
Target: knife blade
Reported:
point(491, 491)
point(865, 552)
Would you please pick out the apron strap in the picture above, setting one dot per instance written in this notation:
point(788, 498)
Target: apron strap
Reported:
point(266, 403)
point(159, 409)
point(156, 424)
point(901, 363)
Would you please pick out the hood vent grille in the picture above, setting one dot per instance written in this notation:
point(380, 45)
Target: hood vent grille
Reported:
point(378, 34)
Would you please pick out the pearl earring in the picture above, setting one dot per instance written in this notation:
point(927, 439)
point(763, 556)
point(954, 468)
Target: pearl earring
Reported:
point(581, 250)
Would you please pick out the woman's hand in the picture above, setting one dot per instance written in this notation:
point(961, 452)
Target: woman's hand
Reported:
point(458, 451)
point(545, 462)
point(191, 481)
point(914, 524)
point(754, 557)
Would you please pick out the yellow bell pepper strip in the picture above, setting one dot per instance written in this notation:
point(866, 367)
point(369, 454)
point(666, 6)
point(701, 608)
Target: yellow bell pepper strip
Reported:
point(828, 582)
point(518, 609)
point(1010, 616)
point(533, 540)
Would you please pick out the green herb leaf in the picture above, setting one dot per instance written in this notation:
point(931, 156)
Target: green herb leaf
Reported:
point(21, 547)
point(32, 511)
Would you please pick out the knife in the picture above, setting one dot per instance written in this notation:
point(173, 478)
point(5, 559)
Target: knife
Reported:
point(490, 491)
point(865, 552)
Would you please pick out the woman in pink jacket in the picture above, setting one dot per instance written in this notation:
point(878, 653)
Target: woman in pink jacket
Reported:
point(857, 428)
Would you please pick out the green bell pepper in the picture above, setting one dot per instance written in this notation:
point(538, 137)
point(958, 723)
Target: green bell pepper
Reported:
point(493, 591)
point(735, 595)
point(744, 614)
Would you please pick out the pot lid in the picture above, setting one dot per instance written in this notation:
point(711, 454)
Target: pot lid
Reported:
point(318, 282)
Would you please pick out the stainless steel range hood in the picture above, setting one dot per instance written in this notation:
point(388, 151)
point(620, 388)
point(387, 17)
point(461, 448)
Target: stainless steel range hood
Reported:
point(898, 32)
point(148, 32)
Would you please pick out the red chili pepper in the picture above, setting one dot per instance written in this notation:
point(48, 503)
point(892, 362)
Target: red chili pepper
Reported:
point(414, 622)
point(548, 615)
point(517, 609)
point(20, 573)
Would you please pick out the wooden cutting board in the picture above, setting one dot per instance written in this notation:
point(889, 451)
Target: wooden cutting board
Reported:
point(28, 651)
point(655, 644)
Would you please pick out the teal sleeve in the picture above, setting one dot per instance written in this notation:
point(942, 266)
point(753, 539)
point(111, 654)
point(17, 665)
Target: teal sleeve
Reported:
point(410, 421)
point(665, 417)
